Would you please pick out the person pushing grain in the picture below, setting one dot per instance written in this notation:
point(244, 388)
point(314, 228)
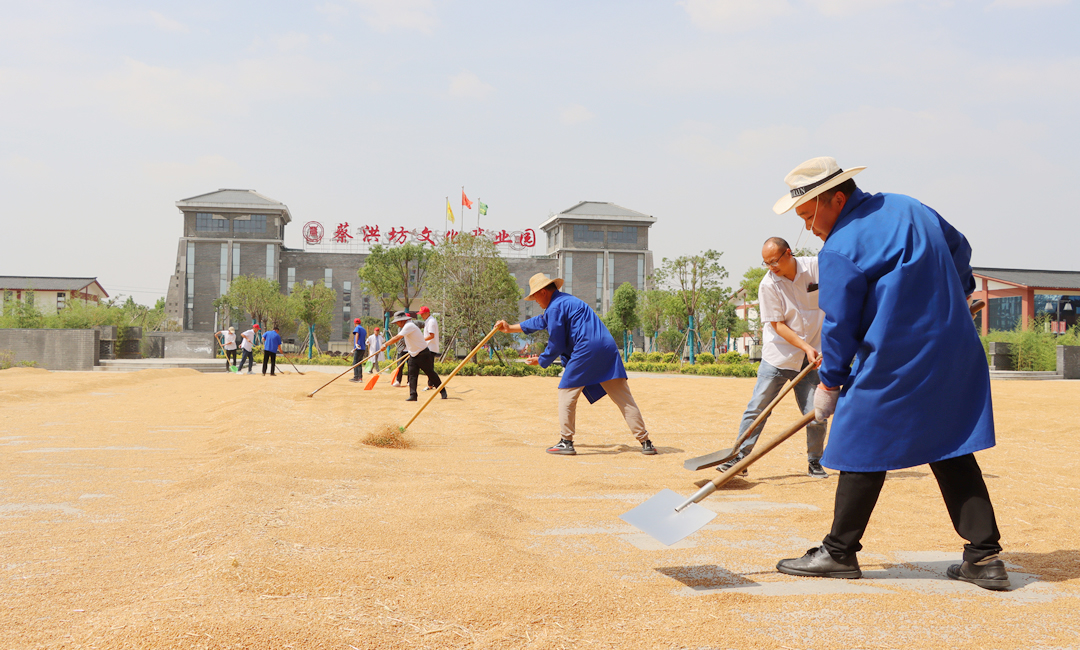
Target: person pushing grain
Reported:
point(590, 355)
point(902, 367)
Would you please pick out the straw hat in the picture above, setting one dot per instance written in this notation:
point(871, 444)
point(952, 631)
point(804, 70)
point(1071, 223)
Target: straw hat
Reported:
point(400, 316)
point(810, 179)
point(539, 281)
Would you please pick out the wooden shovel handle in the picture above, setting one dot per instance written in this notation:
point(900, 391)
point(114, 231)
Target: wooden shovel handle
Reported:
point(447, 380)
point(761, 450)
point(768, 409)
point(312, 393)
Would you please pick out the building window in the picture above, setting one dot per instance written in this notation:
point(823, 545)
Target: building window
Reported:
point(291, 280)
point(641, 272)
point(628, 235)
point(9, 297)
point(253, 223)
point(61, 299)
point(611, 279)
point(189, 270)
point(584, 233)
point(346, 308)
point(367, 306)
point(568, 273)
point(206, 222)
point(223, 273)
point(236, 260)
point(271, 268)
point(599, 282)
point(328, 278)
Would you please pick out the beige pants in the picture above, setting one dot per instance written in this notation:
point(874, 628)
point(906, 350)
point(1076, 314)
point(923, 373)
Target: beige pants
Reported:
point(619, 392)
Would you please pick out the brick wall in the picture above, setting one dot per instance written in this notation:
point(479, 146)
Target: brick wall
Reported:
point(53, 349)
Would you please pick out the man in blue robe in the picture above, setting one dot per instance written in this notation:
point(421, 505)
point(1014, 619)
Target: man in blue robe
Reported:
point(902, 365)
point(590, 356)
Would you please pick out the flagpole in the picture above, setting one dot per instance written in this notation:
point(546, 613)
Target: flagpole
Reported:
point(478, 213)
point(446, 228)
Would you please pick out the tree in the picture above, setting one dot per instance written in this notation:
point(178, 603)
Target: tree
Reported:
point(691, 276)
point(312, 305)
point(395, 274)
point(718, 313)
point(623, 317)
point(472, 287)
point(259, 297)
point(652, 308)
point(750, 281)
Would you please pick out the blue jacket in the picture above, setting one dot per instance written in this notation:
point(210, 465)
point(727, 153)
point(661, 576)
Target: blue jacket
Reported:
point(271, 341)
point(580, 338)
point(894, 281)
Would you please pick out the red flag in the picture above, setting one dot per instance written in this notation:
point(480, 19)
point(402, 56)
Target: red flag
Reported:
point(465, 200)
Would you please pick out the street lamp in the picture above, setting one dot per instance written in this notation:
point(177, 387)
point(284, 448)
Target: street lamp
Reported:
point(1068, 307)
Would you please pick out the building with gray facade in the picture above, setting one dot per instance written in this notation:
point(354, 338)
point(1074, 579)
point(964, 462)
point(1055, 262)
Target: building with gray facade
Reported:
point(593, 246)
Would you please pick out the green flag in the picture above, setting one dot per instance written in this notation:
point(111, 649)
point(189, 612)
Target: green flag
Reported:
point(482, 207)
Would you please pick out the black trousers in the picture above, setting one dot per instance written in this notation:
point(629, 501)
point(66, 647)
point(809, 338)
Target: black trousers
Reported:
point(247, 355)
point(424, 361)
point(230, 358)
point(962, 487)
point(357, 356)
point(272, 358)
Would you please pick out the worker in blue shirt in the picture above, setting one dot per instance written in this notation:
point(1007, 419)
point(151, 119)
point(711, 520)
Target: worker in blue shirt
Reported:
point(590, 356)
point(902, 365)
point(271, 343)
point(359, 341)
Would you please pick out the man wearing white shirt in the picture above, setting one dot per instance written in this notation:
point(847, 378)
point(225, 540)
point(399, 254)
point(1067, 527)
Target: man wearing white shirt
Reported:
point(375, 342)
point(431, 335)
point(791, 332)
point(421, 356)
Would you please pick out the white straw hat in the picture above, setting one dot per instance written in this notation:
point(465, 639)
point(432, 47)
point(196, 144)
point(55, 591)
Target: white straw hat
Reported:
point(810, 179)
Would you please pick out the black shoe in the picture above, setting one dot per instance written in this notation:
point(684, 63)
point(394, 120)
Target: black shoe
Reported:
point(816, 470)
point(818, 563)
point(563, 448)
point(988, 574)
point(647, 448)
point(731, 463)
point(443, 393)
point(354, 379)
point(411, 399)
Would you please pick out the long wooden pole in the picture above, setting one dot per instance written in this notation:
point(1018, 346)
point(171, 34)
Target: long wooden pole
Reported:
point(312, 393)
point(447, 380)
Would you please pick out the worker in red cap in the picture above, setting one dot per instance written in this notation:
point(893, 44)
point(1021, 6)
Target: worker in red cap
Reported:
point(431, 335)
point(246, 345)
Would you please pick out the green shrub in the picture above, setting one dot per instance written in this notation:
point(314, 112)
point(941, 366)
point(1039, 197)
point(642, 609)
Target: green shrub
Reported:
point(704, 358)
point(498, 370)
point(654, 357)
point(731, 357)
point(668, 357)
point(638, 357)
point(1034, 349)
point(722, 370)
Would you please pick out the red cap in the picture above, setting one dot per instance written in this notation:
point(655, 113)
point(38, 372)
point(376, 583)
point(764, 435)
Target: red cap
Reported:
point(255, 326)
point(425, 309)
point(356, 321)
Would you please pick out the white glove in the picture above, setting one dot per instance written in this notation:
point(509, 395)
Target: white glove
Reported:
point(825, 402)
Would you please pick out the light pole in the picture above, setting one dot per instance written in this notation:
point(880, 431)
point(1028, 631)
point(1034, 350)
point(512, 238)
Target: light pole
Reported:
point(1068, 307)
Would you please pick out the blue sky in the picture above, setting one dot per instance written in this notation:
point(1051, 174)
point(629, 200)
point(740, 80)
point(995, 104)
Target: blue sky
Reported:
point(373, 111)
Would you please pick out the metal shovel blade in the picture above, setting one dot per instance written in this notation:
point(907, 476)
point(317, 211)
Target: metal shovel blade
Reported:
point(657, 517)
point(709, 460)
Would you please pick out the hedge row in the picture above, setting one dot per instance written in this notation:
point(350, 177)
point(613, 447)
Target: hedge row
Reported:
point(710, 370)
point(488, 370)
point(704, 358)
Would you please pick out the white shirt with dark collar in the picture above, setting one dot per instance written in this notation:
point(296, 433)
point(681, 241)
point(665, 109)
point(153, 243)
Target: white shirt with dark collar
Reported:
point(795, 303)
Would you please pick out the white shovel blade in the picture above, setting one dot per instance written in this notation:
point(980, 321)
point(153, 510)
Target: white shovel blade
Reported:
point(657, 517)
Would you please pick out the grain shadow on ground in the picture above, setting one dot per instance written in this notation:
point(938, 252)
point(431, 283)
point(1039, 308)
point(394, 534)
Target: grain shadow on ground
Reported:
point(704, 576)
point(611, 450)
point(1056, 566)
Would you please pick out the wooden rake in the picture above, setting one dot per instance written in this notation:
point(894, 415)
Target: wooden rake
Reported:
point(452, 374)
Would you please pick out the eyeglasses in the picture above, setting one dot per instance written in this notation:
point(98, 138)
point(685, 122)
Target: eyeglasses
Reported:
point(775, 263)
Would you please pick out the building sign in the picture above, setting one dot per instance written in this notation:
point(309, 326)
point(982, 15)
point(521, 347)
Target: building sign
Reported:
point(314, 234)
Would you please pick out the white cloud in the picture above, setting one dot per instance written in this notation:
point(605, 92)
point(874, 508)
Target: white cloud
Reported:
point(698, 142)
point(468, 86)
point(732, 15)
point(575, 114)
point(291, 42)
point(385, 15)
point(332, 11)
point(21, 166)
point(166, 24)
point(206, 171)
point(1025, 4)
